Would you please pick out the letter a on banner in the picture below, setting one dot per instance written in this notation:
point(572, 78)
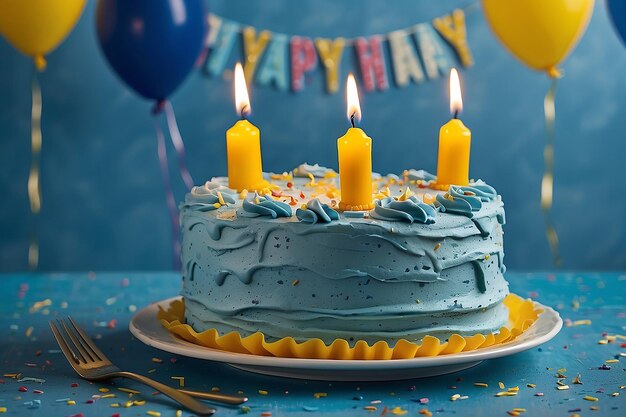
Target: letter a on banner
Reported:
point(274, 66)
point(406, 65)
point(434, 56)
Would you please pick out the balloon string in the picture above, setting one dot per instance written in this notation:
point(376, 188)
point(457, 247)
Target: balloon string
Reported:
point(178, 143)
point(34, 186)
point(547, 182)
point(169, 194)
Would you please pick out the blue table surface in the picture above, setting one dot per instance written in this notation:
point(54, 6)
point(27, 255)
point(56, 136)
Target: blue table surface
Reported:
point(592, 305)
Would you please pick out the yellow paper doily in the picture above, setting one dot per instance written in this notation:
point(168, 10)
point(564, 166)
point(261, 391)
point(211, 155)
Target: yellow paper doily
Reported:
point(522, 314)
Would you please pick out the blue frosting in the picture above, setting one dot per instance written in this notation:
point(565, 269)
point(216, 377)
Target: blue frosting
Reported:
point(303, 170)
point(467, 199)
point(419, 175)
point(266, 206)
point(356, 278)
point(204, 197)
point(482, 190)
point(317, 212)
point(410, 210)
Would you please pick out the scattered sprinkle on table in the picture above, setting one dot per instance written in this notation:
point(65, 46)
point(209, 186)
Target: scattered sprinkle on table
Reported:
point(181, 380)
point(481, 384)
point(263, 392)
point(319, 395)
point(153, 413)
point(128, 390)
point(506, 394)
point(157, 360)
point(397, 411)
point(589, 398)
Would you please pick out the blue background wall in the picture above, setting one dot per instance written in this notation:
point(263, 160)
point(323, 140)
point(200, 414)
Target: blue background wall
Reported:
point(103, 202)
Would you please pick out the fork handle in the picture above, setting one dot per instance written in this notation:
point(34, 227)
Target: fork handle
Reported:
point(217, 397)
point(180, 397)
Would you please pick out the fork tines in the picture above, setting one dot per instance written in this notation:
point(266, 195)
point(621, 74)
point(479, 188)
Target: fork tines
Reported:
point(75, 343)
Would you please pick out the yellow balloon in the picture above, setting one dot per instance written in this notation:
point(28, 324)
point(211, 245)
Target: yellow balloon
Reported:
point(540, 33)
point(36, 27)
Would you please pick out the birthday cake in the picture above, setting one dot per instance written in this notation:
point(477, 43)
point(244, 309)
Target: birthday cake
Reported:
point(285, 262)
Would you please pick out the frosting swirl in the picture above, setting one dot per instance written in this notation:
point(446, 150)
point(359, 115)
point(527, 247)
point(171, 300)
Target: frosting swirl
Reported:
point(316, 212)
point(408, 210)
point(467, 199)
point(255, 205)
point(209, 196)
point(482, 190)
point(421, 175)
point(303, 170)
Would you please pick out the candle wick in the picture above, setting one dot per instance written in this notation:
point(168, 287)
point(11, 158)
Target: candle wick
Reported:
point(456, 114)
point(243, 112)
point(352, 119)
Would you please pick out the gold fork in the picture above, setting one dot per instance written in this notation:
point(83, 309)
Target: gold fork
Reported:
point(91, 364)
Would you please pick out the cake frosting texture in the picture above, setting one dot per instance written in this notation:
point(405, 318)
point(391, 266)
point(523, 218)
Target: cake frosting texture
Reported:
point(286, 263)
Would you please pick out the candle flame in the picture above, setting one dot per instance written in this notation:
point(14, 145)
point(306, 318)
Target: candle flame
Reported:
point(456, 100)
point(242, 101)
point(354, 107)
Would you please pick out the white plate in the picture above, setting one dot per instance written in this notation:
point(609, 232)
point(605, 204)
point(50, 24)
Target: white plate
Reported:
point(149, 330)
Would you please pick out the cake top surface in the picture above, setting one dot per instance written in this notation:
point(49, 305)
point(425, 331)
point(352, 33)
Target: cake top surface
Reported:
point(309, 196)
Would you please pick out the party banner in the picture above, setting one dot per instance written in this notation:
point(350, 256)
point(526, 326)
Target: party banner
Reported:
point(422, 52)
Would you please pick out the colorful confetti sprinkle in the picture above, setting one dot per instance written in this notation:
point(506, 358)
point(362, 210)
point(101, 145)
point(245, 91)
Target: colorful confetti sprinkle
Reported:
point(180, 379)
point(397, 411)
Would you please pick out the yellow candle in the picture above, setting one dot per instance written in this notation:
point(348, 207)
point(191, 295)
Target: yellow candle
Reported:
point(355, 159)
point(454, 143)
point(243, 144)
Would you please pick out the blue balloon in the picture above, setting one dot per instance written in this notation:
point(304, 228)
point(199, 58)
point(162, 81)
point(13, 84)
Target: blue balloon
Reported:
point(152, 44)
point(617, 11)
